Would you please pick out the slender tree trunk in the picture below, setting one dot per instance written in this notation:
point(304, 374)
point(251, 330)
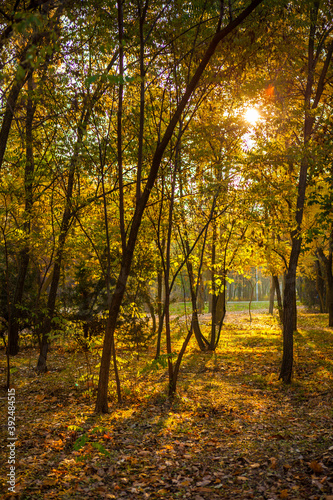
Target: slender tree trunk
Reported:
point(168, 260)
point(320, 283)
point(14, 323)
point(327, 261)
point(201, 296)
point(195, 319)
point(220, 303)
point(214, 296)
point(251, 297)
point(271, 296)
point(289, 295)
point(289, 298)
point(117, 297)
point(173, 385)
point(278, 296)
point(47, 323)
point(168, 339)
point(330, 297)
point(142, 18)
point(159, 308)
point(151, 310)
point(218, 309)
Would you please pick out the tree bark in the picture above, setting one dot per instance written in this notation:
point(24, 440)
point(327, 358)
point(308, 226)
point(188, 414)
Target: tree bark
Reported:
point(159, 307)
point(271, 296)
point(214, 296)
point(195, 319)
point(327, 261)
point(278, 296)
point(320, 286)
point(201, 296)
point(47, 322)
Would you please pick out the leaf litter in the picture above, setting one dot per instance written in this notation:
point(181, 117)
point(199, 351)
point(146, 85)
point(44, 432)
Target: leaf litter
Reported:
point(233, 431)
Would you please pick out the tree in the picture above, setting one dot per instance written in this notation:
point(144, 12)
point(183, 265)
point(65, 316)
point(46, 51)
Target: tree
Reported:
point(141, 202)
point(319, 55)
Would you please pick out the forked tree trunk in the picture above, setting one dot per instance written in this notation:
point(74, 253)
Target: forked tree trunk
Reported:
point(195, 319)
point(173, 382)
point(278, 296)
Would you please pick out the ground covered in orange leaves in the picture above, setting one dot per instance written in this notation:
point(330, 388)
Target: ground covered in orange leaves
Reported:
point(233, 431)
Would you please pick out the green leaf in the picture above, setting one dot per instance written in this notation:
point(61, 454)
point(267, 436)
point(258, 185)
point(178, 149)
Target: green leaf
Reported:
point(92, 79)
point(80, 442)
point(101, 449)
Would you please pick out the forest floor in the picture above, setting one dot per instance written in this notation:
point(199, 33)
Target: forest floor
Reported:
point(232, 432)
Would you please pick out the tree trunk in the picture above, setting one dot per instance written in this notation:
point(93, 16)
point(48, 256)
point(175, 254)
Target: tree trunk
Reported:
point(271, 296)
point(214, 296)
point(15, 313)
point(220, 307)
point(278, 296)
point(159, 306)
point(195, 320)
point(320, 286)
point(151, 311)
point(117, 297)
point(330, 300)
point(327, 261)
point(47, 323)
point(201, 296)
point(289, 298)
point(173, 385)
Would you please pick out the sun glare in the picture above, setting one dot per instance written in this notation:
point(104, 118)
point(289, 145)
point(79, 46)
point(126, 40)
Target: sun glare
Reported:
point(252, 116)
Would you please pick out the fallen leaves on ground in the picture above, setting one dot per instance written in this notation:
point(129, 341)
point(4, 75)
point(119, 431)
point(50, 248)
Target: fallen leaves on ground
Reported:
point(233, 431)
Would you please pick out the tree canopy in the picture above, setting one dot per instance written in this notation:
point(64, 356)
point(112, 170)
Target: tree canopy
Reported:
point(131, 169)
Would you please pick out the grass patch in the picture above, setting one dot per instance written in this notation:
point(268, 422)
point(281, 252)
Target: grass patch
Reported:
point(182, 308)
